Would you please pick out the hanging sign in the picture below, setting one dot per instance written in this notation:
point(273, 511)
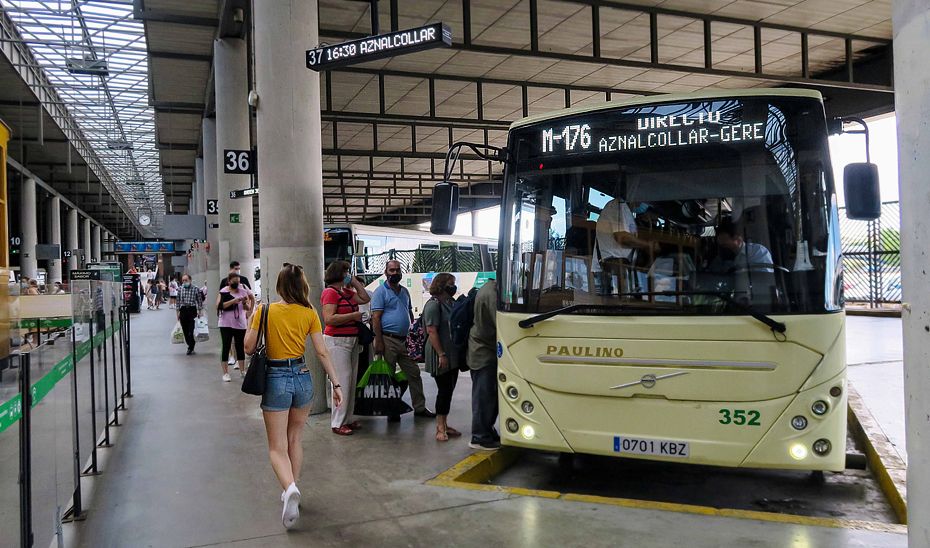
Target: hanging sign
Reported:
point(239, 161)
point(244, 193)
point(379, 47)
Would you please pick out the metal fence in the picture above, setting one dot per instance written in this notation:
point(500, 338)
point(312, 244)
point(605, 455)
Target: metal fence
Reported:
point(872, 257)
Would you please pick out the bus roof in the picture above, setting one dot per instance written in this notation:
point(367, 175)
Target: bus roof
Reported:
point(670, 98)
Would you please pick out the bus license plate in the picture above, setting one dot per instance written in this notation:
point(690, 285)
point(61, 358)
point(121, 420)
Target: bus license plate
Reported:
point(644, 446)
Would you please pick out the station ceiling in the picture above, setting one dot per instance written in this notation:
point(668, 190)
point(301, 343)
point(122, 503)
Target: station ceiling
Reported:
point(387, 124)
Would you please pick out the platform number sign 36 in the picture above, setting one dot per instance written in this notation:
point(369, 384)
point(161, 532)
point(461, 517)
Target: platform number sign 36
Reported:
point(239, 161)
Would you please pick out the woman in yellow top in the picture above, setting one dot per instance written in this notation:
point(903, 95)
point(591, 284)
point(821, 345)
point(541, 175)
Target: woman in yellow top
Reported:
point(288, 389)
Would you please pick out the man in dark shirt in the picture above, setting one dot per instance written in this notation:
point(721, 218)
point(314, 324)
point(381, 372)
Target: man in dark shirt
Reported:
point(234, 267)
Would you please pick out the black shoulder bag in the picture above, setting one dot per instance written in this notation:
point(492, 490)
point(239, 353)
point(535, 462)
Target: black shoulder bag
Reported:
point(365, 335)
point(254, 381)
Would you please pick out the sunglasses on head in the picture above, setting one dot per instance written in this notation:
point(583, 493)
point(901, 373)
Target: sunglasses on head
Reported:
point(297, 266)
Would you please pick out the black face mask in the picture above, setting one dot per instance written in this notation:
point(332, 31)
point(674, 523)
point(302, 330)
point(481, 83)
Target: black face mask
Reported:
point(394, 278)
point(234, 285)
point(450, 289)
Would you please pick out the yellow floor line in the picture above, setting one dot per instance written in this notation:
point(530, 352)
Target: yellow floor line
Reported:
point(477, 470)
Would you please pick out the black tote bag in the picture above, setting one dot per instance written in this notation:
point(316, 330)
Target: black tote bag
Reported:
point(254, 381)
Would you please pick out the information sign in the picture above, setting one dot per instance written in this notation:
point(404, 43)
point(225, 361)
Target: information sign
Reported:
point(379, 47)
point(244, 193)
point(213, 207)
point(143, 247)
point(239, 161)
point(234, 218)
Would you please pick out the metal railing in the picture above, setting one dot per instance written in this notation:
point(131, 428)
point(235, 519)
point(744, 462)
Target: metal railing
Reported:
point(872, 257)
point(446, 259)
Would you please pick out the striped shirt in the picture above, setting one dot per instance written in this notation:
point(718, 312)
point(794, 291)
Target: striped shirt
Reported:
point(190, 296)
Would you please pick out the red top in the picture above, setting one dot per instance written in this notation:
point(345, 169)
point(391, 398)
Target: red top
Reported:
point(343, 306)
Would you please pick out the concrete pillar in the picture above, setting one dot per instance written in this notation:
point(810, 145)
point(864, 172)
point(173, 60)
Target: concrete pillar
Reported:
point(196, 263)
point(237, 241)
point(71, 243)
point(95, 244)
point(289, 130)
point(54, 266)
point(86, 241)
point(28, 221)
point(911, 24)
point(212, 272)
point(474, 223)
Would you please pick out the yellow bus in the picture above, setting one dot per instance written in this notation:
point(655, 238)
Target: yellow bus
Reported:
point(670, 281)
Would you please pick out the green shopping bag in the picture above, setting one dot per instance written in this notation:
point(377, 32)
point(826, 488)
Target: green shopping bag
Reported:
point(380, 391)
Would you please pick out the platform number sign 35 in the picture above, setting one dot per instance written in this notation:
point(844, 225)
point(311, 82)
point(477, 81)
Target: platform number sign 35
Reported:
point(239, 161)
point(213, 207)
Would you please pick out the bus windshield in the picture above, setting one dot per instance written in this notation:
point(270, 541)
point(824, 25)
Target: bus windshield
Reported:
point(706, 207)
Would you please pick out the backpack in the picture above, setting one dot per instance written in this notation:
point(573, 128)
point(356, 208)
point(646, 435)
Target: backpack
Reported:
point(462, 318)
point(416, 341)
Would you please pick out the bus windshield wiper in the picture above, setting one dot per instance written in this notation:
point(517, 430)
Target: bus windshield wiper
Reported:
point(529, 322)
point(773, 324)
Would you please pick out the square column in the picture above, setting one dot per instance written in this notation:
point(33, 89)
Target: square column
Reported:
point(28, 265)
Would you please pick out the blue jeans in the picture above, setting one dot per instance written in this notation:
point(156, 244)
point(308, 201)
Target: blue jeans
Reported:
point(484, 404)
point(287, 387)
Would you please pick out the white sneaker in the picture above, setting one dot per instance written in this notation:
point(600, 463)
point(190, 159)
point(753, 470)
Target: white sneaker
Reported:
point(226, 377)
point(235, 365)
point(291, 510)
point(231, 361)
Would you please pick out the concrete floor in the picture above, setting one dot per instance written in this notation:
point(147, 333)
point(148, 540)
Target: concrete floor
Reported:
point(190, 469)
point(874, 352)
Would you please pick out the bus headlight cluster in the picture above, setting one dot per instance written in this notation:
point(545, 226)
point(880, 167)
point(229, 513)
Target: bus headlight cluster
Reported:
point(512, 392)
point(512, 426)
point(822, 447)
point(527, 407)
point(528, 432)
point(799, 422)
point(819, 408)
point(798, 452)
point(836, 391)
point(502, 377)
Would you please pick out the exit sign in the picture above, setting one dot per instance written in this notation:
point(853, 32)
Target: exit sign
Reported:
point(234, 218)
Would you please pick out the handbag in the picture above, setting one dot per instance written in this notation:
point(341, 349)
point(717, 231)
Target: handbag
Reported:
point(365, 335)
point(254, 381)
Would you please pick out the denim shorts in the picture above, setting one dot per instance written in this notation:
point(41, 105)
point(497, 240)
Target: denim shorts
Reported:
point(287, 387)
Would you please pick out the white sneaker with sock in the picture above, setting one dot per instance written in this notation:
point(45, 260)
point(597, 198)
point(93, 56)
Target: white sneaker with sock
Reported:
point(231, 361)
point(291, 511)
point(226, 377)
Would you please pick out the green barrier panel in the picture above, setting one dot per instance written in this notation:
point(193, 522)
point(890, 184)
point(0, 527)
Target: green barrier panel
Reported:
point(36, 323)
point(12, 410)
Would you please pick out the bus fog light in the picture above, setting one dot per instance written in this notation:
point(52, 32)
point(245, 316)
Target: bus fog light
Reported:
point(528, 432)
point(798, 452)
point(512, 392)
point(502, 377)
point(512, 426)
point(836, 391)
point(819, 408)
point(799, 422)
point(822, 447)
point(527, 407)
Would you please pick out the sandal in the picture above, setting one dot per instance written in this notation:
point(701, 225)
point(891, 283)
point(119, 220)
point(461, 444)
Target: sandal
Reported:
point(452, 432)
point(355, 425)
point(343, 431)
point(442, 435)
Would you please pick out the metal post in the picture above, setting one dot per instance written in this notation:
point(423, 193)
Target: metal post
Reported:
point(106, 384)
point(25, 453)
point(76, 511)
point(115, 421)
point(128, 357)
point(122, 374)
point(92, 470)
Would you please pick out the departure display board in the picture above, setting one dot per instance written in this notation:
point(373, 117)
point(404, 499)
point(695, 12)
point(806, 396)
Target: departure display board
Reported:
point(379, 47)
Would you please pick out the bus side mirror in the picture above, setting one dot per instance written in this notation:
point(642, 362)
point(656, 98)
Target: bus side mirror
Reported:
point(863, 199)
point(445, 208)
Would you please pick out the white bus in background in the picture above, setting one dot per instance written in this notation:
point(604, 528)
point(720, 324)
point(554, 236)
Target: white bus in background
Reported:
point(367, 248)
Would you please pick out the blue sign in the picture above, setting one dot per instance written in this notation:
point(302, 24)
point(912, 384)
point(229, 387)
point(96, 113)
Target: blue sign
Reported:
point(143, 247)
point(500, 349)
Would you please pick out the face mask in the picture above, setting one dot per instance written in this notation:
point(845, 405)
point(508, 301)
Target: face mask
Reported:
point(347, 280)
point(234, 285)
point(394, 278)
point(187, 284)
point(237, 271)
point(450, 289)
point(641, 208)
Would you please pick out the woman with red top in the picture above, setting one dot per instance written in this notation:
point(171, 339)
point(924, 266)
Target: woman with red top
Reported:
point(341, 316)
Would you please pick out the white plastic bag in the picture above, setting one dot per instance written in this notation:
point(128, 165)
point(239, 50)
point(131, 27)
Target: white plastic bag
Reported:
point(201, 330)
point(177, 334)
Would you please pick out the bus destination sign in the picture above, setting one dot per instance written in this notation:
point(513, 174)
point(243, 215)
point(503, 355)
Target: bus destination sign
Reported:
point(379, 47)
point(651, 132)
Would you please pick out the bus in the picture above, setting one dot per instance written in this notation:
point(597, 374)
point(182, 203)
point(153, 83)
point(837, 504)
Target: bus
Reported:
point(421, 253)
point(670, 282)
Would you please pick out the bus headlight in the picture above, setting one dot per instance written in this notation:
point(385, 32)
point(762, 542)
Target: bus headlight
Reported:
point(820, 408)
point(822, 447)
point(836, 391)
point(502, 377)
point(512, 392)
point(527, 407)
point(528, 432)
point(798, 452)
point(512, 426)
point(799, 422)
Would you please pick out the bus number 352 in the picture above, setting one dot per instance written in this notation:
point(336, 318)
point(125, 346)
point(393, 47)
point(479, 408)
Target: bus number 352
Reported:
point(740, 417)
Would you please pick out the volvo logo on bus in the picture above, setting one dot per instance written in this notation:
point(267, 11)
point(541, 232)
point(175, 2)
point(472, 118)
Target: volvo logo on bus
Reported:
point(649, 380)
point(585, 351)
